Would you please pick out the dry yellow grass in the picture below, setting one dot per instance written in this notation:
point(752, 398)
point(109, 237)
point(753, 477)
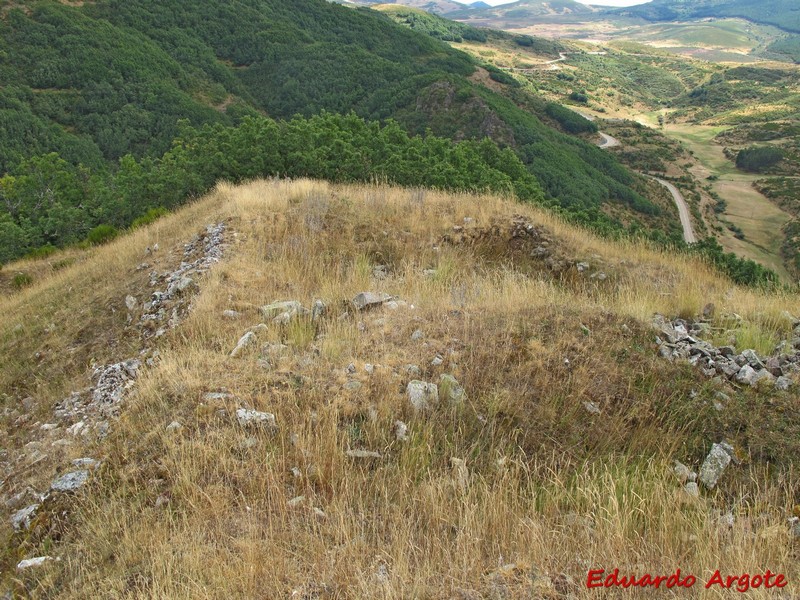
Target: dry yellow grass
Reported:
point(547, 491)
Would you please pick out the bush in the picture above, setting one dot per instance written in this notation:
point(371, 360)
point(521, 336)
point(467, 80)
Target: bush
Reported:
point(152, 215)
point(101, 235)
point(42, 252)
point(21, 280)
point(580, 97)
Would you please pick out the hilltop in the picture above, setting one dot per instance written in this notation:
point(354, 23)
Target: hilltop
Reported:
point(175, 464)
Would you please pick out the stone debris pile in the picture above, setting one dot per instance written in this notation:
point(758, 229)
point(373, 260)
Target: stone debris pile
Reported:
point(678, 339)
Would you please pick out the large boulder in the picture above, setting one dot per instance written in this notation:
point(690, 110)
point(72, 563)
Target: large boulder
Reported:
point(422, 395)
point(714, 466)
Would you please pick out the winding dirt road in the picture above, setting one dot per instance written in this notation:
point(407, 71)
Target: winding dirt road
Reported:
point(683, 211)
point(607, 141)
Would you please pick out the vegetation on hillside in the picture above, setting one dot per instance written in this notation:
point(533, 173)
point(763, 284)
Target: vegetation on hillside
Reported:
point(47, 201)
point(102, 85)
point(758, 159)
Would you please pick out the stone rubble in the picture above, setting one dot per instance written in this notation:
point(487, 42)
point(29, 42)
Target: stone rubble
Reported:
point(677, 339)
point(715, 464)
point(422, 395)
point(88, 411)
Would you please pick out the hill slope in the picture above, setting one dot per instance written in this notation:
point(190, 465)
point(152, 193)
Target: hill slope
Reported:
point(554, 458)
point(525, 12)
point(784, 14)
point(96, 82)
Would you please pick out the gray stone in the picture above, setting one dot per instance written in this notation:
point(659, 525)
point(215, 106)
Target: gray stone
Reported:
point(727, 351)
point(591, 407)
point(400, 431)
point(174, 426)
point(363, 454)
point(412, 370)
point(714, 465)
point(366, 300)
point(582, 266)
point(70, 482)
point(22, 518)
point(450, 389)
point(747, 375)
point(437, 360)
point(248, 417)
point(247, 340)
point(422, 395)
point(318, 310)
point(353, 386)
point(293, 307)
point(692, 489)
point(86, 463)
point(752, 359)
point(231, 314)
point(130, 302)
point(417, 335)
point(763, 376)
point(783, 383)
point(684, 473)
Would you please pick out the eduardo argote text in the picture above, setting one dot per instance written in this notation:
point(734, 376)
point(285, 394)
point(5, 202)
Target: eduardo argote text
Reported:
point(743, 582)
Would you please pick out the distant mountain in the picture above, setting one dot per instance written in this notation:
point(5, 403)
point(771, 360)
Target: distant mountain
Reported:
point(438, 7)
point(477, 5)
point(784, 14)
point(525, 12)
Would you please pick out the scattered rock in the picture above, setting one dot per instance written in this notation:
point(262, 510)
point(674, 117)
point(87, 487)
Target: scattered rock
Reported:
point(422, 395)
point(285, 307)
point(367, 300)
point(231, 314)
point(86, 463)
point(692, 489)
point(684, 473)
point(450, 389)
point(714, 466)
point(783, 383)
point(400, 431)
point(22, 518)
point(296, 501)
point(174, 427)
point(417, 335)
point(249, 418)
point(437, 360)
point(70, 482)
point(353, 386)
point(247, 340)
point(33, 562)
point(363, 454)
point(412, 370)
point(130, 302)
point(591, 407)
point(318, 310)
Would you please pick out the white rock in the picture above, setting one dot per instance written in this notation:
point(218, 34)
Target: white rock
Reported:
point(248, 339)
point(174, 426)
point(296, 501)
point(692, 489)
point(591, 407)
point(33, 562)
point(684, 473)
point(248, 417)
point(422, 395)
point(362, 454)
point(70, 482)
point(22, 518)
point(86, 463)
point(130, 302)
point(450, 389)
point(714, 465)
point(400, 431)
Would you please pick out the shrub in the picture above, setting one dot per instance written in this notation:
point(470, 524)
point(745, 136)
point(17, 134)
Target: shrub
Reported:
point(152, 214)
point(42, 252)
point(101, 235)
point(21, 280)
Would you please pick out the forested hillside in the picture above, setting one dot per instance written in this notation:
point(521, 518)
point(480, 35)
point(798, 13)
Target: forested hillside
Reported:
point(780, 13)
point(104, 85)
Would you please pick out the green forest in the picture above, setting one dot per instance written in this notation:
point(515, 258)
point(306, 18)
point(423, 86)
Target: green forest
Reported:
point(116, 109)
